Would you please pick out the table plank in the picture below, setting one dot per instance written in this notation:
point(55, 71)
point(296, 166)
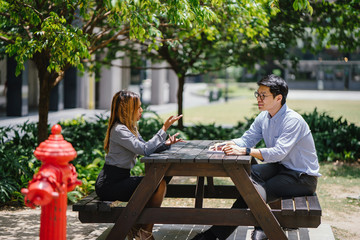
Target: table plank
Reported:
point(217, 158)
point(176, 156)
point(203, 156)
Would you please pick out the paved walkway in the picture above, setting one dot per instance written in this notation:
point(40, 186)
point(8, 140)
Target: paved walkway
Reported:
point(190, 100)
point(187, 232)
point(25, 224)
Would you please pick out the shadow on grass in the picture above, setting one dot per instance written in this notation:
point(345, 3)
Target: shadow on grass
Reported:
point(345, 170)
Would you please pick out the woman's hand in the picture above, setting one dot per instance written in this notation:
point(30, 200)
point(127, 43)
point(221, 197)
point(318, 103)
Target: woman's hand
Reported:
point(234, 150)
point(172, 139)
point(170, 121)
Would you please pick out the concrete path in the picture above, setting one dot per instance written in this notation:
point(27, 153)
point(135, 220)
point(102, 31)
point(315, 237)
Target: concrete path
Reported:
point(187, 232)
point(190, 100)
point(25, 224)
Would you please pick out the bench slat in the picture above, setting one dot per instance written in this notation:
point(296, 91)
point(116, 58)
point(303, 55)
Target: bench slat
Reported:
point(240, 217)
point(287, 207)
point(92, 205)
point(104, 206)
point(314, 205)
point(294, 212)
point(80, 205)
point(301, 207)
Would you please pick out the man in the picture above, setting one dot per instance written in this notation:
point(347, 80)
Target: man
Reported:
point(291, 165)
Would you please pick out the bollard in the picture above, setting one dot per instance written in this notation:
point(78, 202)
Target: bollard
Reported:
point(49, 187)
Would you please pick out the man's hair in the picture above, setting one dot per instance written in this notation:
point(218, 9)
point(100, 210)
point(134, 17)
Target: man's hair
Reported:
point(277, 86)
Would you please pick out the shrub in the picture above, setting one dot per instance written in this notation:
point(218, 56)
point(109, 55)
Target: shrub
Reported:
point(17, 161)
point(334, 139)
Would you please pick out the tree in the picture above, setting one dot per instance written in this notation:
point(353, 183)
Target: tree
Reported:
point(250, 32)
point(230, 41)
point(58, 34)
point(332, 24)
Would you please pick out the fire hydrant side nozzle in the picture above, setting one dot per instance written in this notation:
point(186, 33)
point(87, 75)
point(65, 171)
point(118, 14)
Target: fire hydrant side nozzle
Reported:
point(50, 185)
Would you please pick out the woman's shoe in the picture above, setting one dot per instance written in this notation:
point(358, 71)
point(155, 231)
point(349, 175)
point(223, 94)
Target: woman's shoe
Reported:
point(144, 235)
point(133, 233)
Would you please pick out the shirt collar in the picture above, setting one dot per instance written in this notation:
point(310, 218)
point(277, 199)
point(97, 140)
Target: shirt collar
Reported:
point(278, 115)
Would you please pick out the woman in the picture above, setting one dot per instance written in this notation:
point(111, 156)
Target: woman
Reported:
point(122, 144)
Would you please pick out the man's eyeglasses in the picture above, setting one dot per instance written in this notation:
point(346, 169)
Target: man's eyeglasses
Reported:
point(262, 96)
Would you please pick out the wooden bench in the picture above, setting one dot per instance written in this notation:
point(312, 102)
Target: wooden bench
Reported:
point(304, 212)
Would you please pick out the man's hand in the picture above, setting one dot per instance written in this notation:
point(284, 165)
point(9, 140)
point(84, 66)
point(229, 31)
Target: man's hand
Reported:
point(234, 150)
point(220, 146)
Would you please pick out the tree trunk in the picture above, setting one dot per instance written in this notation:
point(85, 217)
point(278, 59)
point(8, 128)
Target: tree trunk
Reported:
point(44, 99)
point(180, 100)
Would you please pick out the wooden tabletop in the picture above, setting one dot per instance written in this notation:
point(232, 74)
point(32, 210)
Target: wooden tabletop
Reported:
point(195, 151)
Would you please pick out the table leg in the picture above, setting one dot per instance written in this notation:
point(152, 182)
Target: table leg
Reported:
point(138, 200)
point(210, 186)
point(258, 207)
point(199, 192)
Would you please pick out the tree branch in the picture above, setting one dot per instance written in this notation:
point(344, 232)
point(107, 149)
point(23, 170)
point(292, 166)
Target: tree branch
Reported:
point(32, 8)
point(7, 40)
point(113, 38)
point(60, 76)
point(125, 66)
point(92, 23)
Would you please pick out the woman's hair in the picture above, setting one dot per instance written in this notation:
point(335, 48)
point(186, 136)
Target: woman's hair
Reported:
point(123, 107)
point(277, 86)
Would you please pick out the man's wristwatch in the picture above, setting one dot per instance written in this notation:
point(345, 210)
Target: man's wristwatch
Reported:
point(248, 151)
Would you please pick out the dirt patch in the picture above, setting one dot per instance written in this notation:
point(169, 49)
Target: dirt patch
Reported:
point(339, 199)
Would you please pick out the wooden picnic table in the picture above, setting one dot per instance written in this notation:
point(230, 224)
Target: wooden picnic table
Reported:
point(192, 159)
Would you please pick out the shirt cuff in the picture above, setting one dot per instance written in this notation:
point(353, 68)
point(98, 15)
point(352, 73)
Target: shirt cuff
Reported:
point(162, 134)
point(264, 153)
point(239, 142)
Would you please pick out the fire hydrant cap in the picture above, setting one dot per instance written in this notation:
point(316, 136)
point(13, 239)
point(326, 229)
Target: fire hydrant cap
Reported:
point(55, 149)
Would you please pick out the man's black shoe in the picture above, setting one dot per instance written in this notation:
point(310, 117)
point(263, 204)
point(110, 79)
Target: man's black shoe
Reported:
point(258, 234)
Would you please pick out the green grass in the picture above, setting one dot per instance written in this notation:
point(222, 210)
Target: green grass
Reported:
point(239, 109)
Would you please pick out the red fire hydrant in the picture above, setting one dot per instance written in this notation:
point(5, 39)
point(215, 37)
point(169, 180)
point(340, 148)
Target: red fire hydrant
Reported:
point(50, 185)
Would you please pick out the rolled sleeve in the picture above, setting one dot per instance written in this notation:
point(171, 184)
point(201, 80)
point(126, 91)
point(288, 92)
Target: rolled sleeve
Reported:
point(252, 136)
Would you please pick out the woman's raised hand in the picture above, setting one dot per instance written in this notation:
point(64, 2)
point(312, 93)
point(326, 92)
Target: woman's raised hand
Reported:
point(170, 121)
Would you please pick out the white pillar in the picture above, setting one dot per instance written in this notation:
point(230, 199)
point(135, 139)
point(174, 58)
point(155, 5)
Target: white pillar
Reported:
point(173, 86)
point(158, 80)
point(110, 83)
point(86, 90)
